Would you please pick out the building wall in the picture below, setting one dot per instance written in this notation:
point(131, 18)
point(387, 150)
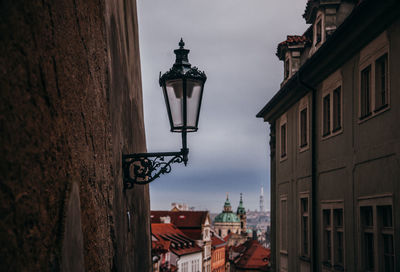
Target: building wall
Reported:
point(71, 104)
point(218, 259)
point(360, 163)
point(227, 228)
point(186, 261)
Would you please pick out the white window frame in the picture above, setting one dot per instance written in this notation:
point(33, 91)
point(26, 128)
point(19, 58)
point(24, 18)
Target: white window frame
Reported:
point(368, 57)
point(282, 213)
point(320, 19)
point(304, 195)
point(375, 201)
point(304, 104)
point(332, 205)
point(329, 86)
point(283, 121)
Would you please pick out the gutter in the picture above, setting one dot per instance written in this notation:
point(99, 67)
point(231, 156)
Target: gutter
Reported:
point(313, 230)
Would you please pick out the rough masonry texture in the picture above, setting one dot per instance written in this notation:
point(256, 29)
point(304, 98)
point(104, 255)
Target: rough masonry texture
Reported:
point(71, 103)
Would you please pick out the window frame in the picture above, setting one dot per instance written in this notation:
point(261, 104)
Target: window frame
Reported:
point(376, 201)
point(302, 254)
point(330, 90)
point(283, 198)
point(369, 56)
point(331, 206)
point(304, 105)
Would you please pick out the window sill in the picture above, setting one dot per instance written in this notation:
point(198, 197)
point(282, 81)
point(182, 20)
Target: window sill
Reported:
point(381, 108)
point(283, 158)
point(333, 134)
point(304, 148)
point(305, 259)
point(372, 115)
point(327, 264)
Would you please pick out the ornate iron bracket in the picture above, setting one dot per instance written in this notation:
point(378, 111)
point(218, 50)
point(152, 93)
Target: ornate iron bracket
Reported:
point(139, 168)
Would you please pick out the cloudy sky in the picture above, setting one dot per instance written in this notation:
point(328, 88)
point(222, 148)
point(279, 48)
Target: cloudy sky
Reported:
point(234, 42)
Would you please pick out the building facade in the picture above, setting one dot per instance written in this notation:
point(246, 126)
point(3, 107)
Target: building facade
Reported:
point(218, 247)
point(194, 224)
point(335, 142)
point(71, 105)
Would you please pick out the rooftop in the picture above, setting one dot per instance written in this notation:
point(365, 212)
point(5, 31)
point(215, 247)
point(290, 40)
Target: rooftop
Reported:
point(170, 235)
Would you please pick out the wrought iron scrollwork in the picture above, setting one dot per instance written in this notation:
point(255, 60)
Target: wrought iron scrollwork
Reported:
point(143, 168)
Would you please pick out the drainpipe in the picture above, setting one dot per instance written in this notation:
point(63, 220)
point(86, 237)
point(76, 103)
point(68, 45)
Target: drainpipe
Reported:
point(314, 231)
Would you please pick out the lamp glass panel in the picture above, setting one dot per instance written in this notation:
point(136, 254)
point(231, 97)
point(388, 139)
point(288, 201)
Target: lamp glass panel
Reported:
point(194, 93)
point(174, 93)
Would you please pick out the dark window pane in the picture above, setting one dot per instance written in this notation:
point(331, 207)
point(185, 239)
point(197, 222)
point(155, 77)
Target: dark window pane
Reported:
point(338, 217)
point(385, 213)
point(339, 248)
point(327, 115)
point(337, 109)
point(365, 91)
point(283, 140)
point(381, 82)
point(287, 68)
point(327, 217)
point(303, 127)
point(369, 251)
point(328, 246)
point(319, 32)
point(366, 216)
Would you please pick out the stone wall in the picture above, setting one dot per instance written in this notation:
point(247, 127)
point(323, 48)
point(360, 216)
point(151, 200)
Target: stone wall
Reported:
point(71, 104)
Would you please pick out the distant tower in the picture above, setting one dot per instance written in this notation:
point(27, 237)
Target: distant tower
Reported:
point(262, 200)
point(241, 213)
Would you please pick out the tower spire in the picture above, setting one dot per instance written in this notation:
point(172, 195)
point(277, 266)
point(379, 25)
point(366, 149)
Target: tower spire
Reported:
point(262, 200)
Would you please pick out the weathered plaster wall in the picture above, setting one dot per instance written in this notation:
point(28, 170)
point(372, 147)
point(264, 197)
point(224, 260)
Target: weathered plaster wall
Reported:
point(71, 103)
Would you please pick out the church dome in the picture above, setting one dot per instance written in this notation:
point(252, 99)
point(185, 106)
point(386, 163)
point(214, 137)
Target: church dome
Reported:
point(227, 216)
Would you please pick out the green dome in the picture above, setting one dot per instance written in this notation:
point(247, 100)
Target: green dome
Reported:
point(226, 217)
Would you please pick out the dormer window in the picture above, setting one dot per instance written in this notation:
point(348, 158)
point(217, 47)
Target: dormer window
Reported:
point(318, 31)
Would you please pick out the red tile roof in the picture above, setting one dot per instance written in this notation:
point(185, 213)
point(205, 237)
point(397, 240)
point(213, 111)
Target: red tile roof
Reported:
point(217, 241)
point(252, 256)
point(181, 219)
point(180, 244)
point(291, 40)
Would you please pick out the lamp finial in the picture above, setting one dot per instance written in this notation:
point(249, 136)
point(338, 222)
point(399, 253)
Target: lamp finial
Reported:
point(181, 44)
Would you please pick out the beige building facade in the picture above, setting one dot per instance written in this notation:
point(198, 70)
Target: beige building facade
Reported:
point(335, 141)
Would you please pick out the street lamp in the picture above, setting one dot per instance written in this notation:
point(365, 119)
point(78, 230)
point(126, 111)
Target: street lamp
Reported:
point(183, 88)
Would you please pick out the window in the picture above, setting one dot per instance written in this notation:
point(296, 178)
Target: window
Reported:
point(374, 74)
point(303, 123)
point(287, 68)
point(318, 37)
point(381, 82)
point(337, 109)
point(377, 231)
point(327, 115)
point(283, 224)
point(283, 140)
point(303, 128)
point(365, 92)
point(333, 236)
point(332, 111)
point(283, 137)
point(304, 227)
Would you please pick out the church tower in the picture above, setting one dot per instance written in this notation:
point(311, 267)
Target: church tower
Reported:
point(241, 213)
